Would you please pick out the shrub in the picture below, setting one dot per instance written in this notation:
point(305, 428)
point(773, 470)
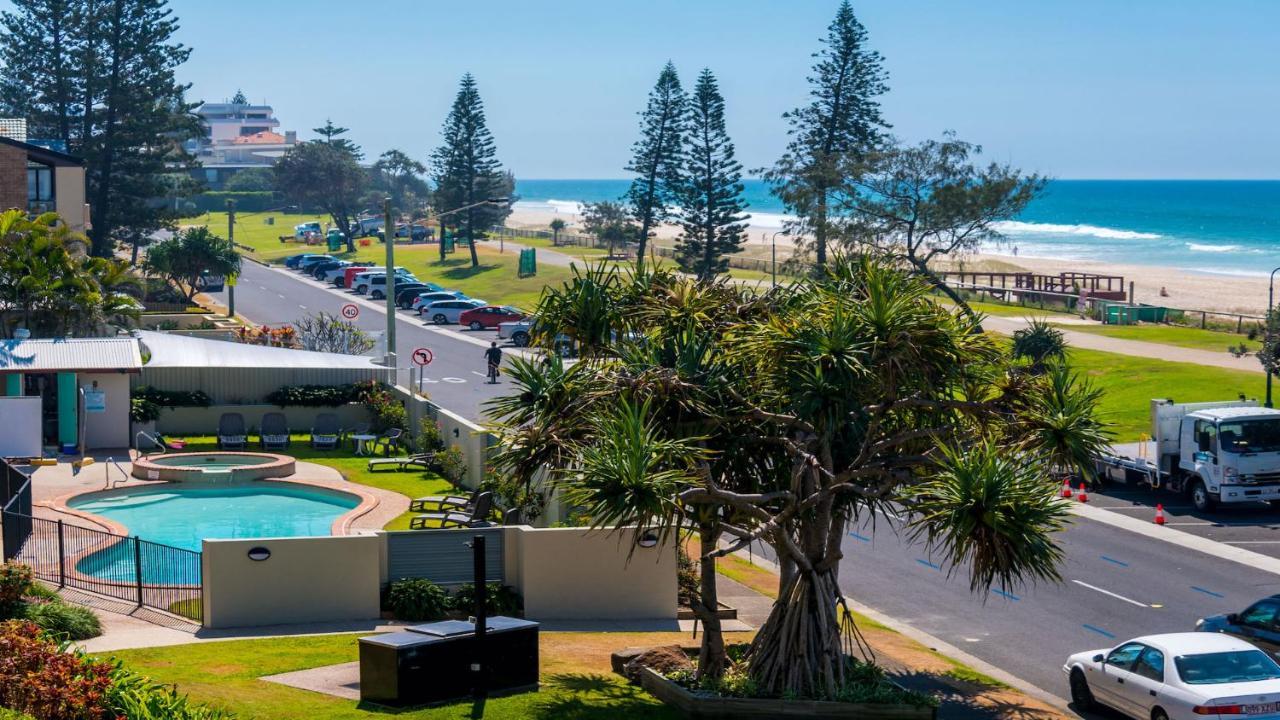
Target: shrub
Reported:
point(15, 583)
point(428, 439)
point(142, 410)
point(384, 408)
point(139, 698)
point(63, 621)
point(501, 599)
point(688, 584)
point(417, 599)
point(451, 464)
point(1040, 343)
point(317, 395)
point(172, 398)
point(38, 678)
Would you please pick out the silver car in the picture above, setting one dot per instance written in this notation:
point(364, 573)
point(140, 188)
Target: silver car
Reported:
point(445, 312)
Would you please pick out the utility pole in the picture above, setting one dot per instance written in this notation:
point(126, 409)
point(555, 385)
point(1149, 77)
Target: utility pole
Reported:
point(389, 232)
point(231, 237)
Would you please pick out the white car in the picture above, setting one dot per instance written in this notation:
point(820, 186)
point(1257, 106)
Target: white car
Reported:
point(362, 281)
point(1178, 676)
point(444, 312)
point(426, 298)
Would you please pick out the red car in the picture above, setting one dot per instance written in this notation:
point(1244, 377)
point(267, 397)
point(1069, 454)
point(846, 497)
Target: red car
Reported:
point(488, 316)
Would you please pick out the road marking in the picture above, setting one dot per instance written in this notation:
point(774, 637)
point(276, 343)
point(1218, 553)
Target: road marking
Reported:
point(281, 295)
point(1251, 542)
point(453, 380)
point(1207, 592)
point(1201, 522)
point(886, 513)
point(304, 307)
point(928, 564)
point(477, 374)
point(1117, 596)
point(863, 538)
point(1098, 630)
point(1005, 595)
point(1114, 561)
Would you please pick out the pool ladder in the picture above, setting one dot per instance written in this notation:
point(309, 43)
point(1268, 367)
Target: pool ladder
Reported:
point(154, 442)
point(106, 466)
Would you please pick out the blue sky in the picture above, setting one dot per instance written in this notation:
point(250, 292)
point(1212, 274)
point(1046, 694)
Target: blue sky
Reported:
point(1072, 88)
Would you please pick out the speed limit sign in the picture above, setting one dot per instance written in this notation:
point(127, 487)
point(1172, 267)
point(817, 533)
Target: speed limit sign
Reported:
point(351, 311)
point(423, 356)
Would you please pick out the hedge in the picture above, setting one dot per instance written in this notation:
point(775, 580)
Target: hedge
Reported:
point(319, 395)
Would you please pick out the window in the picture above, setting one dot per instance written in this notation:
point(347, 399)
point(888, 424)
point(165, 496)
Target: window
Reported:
point(1250, 436)
point(1151, 665)
point(39, 187)
point(1124, 656)
point(1261, 615)
point(1226, 667)
point(1206, 437)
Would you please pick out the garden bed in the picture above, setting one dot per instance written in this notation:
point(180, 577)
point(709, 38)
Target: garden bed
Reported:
point(706, 706)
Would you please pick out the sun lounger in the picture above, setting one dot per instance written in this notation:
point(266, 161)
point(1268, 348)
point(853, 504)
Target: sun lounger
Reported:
point(439, 503)
point(326, 432)
point(422, 460)
point(478, 516)
point(231, 432)
point(273, 434)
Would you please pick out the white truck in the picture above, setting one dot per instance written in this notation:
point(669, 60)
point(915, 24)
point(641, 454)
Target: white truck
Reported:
point(1214, 452)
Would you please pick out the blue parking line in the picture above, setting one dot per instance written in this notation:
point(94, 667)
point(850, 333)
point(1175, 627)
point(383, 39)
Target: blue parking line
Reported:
point(1114, 561)
point(863, 538)
point(926, 563)
point(1207, 592)
point(1098, 630)
point(1005, 595)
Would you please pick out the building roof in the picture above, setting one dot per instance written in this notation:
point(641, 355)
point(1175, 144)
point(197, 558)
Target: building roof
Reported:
point(43, 154)
point(266, 137)
point(1248, 411)
point(169, 350)
point(70, 355)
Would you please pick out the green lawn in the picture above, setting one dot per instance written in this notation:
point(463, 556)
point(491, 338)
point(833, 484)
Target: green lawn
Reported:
point(586, 253)
point(410, 483)
point(1187, 337)
point(1131, 382)
point(226, 674)
point(252, 230)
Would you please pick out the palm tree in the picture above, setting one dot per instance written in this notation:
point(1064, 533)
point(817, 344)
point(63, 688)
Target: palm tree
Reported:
point(556, 226)
point(1039, 343)
point(779, 418)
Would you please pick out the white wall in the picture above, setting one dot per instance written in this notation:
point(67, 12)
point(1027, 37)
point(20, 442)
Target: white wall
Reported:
point(21, 421)
point(308, 579)
point(108, 429)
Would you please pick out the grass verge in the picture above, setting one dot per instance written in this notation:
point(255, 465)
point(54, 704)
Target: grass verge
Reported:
point(1179, 336)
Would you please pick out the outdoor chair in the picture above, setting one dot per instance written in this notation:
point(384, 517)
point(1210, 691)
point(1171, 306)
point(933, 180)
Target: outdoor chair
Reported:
point(326, 432)
point(274, 432)
point(231, 432)
point(422, 460)
point(388, 441)
point(477, 517)
point(438, 503)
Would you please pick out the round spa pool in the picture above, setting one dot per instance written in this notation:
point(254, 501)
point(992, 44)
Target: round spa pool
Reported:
point(225, 466)
point(182, 514)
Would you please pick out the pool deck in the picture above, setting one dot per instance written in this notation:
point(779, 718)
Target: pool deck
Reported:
point(54, 485)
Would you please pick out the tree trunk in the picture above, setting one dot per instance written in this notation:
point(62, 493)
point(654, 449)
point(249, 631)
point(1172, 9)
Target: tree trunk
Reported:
point(471, 238)
point(712, 658)
point(799, 649)
point(923, 269)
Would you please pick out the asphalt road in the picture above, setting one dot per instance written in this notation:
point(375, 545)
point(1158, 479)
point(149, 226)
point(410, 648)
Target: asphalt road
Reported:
point(1116, 585)
point(1250, 526)
point(455, 379)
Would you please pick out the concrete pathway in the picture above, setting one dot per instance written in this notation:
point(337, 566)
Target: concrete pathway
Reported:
point(1135, 348)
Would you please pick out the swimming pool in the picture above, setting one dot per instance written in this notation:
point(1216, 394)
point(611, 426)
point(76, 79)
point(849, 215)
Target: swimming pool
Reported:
point(225, 466)
point(183, 514)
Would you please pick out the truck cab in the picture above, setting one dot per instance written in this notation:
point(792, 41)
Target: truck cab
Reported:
point(1226, 452)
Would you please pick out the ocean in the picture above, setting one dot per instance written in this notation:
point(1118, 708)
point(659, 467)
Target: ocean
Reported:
point(1229, 227)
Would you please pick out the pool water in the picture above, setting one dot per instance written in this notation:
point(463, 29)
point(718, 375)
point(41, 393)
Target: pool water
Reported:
point(215, 462)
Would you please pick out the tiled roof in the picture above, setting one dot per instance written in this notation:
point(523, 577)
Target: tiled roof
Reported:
point(70, 354)
point(266, 137)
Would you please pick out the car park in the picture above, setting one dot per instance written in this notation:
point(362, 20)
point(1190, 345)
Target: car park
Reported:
point(319, 270)
point(407, 292)
point(338, 275)
point(426, 298)
point(490, 316)
point(445, 312)
point(311, 261)
point(1177, 676)
point(377, 284)
point(294, 261)
point(1258, 624)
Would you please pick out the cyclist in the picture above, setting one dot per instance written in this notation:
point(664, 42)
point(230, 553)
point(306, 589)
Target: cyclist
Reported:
point(494, 357)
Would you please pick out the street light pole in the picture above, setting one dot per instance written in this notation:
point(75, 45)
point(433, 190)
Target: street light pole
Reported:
point(231, 237)
point(1266, 332)
point(389, 233)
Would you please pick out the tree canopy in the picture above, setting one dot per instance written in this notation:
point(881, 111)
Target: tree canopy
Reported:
point(656, 156)
point(320, 175)
point(182, 260)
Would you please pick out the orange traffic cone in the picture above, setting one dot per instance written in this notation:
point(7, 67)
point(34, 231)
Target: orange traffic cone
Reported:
point(1067, 492)
point(1159, 514)
point(1082, 496)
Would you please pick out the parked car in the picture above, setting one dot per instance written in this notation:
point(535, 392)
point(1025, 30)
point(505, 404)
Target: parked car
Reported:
point(294, 260)
point(1258, 624)
point(426, 298)
point(415, 233)
point(349, 275)
point(367, 226)
point(338, 275)
point(407, 292)
point(365, 281)
point(311, 261)
point(1178, 676)
point(490, 316)
point(307, 231)
point(377, 284)
point(519, 332)
point(445, 312)
point(318, 270)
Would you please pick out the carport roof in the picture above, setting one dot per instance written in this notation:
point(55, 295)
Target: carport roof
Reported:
point(169, 350)
point(118, 354)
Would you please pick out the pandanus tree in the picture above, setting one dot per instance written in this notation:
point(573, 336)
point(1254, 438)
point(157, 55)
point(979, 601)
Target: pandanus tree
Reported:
point(780, 418)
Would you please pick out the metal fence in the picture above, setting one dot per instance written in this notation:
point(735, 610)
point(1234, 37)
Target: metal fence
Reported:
point(126, 568)
point(443, 556)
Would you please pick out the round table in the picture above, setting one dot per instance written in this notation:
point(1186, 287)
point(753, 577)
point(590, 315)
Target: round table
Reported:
point(363, 443)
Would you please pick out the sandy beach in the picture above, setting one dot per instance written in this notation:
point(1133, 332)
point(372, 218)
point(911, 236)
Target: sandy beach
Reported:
point(1186, 289)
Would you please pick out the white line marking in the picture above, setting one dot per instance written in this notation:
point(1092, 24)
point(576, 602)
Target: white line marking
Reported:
point(1200, 522)
point(1250, 542)
point(1109, 593)
point(886, 513)
point(304, 307)
point(453, 380)
point(280, 295)
point(473, 372)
